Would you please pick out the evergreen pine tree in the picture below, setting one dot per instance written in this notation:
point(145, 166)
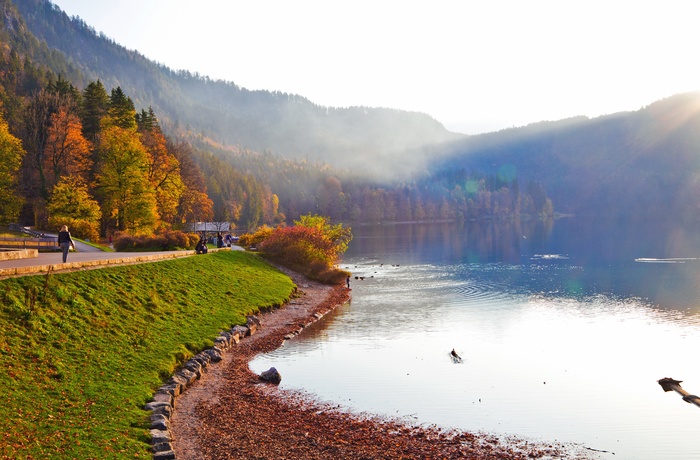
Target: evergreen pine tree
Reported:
point(94, 107)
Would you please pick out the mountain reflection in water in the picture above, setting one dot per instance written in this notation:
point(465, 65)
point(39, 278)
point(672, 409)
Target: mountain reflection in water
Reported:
point(564, 328)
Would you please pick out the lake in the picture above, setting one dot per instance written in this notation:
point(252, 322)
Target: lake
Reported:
point(564, 328)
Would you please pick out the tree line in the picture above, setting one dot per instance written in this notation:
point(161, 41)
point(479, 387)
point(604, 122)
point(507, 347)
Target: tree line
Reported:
point(89, 160)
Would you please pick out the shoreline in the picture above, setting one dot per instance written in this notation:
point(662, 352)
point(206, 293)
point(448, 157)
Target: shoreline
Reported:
point(230, 414)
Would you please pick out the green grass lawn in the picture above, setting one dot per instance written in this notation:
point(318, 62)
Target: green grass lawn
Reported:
point(81, 353)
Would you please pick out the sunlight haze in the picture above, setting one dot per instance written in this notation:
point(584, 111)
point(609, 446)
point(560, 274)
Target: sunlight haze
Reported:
point(473, 66)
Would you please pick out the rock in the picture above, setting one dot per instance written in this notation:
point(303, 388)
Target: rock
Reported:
point(253, 324)
point(221, 342)
point(163, 397)
point(160, 436)
point(253, 319)
point(272, 376)
point(166, 455)
point(160, 422)
point(162, 447)
point(189, 376)
point(194, 366)
point(239, 331)
point(177, 379)
point(172, 388)
point(214, 353)
point(165, 410)
point(153, 405)
point(203, 359)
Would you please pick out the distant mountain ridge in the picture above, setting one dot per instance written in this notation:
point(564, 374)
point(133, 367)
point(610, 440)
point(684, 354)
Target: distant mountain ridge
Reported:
point(289, 125)
point(642, 163)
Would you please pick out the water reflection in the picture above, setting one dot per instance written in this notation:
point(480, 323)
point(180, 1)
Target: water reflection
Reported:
point(562, 330)
point(594, 256)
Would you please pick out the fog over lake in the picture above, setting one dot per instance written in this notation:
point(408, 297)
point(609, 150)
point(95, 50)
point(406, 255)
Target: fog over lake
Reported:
point(564, 328)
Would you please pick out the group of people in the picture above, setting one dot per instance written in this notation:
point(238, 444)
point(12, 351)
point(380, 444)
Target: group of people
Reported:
point(219, 240)
point(65, 242)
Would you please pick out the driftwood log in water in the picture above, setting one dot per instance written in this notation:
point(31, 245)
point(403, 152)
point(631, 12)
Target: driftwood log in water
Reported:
point(669, 384)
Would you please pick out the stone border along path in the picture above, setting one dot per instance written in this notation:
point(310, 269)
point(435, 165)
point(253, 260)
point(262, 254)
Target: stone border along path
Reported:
point(163, 403)
point(102, 260)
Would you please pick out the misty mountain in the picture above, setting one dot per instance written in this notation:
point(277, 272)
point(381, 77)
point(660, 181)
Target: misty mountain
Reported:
point(642, 163)
point(289, 125)
point(639, 164)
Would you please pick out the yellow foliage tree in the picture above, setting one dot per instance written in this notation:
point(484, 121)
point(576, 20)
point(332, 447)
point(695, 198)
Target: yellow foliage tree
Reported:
point(72, 205)
point(128, 198)
point(11, 153)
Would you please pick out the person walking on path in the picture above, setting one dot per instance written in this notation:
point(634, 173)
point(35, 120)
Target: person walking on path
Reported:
point(65, 242)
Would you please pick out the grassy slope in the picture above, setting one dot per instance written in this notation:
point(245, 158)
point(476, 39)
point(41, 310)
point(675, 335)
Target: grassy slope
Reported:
point(81, 353)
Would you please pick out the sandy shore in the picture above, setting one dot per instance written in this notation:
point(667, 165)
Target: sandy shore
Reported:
point(231, 414)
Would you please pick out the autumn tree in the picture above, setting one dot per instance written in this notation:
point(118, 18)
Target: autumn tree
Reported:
point(72, 205)
point(11, 153)
point(128, 199)
point(66, 151)
point(330, 199)
point(51, 133)
point(271, 212)
point(195, 204)
point(164, 168)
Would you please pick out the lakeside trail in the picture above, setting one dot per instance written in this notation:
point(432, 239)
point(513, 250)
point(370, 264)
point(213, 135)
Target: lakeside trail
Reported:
point(230, 414)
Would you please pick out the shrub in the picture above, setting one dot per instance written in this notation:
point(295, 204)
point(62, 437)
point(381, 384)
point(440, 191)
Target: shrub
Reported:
point(311, 247)
point(248, 240)
point(168, 241)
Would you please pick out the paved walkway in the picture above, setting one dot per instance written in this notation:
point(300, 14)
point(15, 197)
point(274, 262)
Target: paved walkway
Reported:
point(86, 256)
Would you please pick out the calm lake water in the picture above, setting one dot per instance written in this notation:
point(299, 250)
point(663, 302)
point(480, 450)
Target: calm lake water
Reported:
point(564, 329)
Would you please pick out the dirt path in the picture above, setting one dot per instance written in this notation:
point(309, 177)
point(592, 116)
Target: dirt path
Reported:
point(230, 414)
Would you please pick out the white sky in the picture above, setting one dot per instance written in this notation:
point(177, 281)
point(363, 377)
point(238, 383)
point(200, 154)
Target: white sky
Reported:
point(475, 66)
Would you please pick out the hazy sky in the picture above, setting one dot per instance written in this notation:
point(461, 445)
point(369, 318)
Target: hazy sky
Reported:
point(475, 66)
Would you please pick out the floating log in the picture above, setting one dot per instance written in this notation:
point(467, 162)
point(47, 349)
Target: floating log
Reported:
point(669, 384)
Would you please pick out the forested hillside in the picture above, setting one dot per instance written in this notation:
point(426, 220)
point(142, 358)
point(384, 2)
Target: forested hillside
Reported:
point(264, 158)
point(633, 164)
point(289, 125)
point(72, 141)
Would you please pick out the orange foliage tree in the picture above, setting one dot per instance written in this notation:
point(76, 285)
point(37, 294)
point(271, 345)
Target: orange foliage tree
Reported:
point(66, 152)
point(164, 168)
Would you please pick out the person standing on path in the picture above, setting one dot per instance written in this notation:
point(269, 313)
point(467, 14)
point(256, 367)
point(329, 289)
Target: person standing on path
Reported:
point(65, 241)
